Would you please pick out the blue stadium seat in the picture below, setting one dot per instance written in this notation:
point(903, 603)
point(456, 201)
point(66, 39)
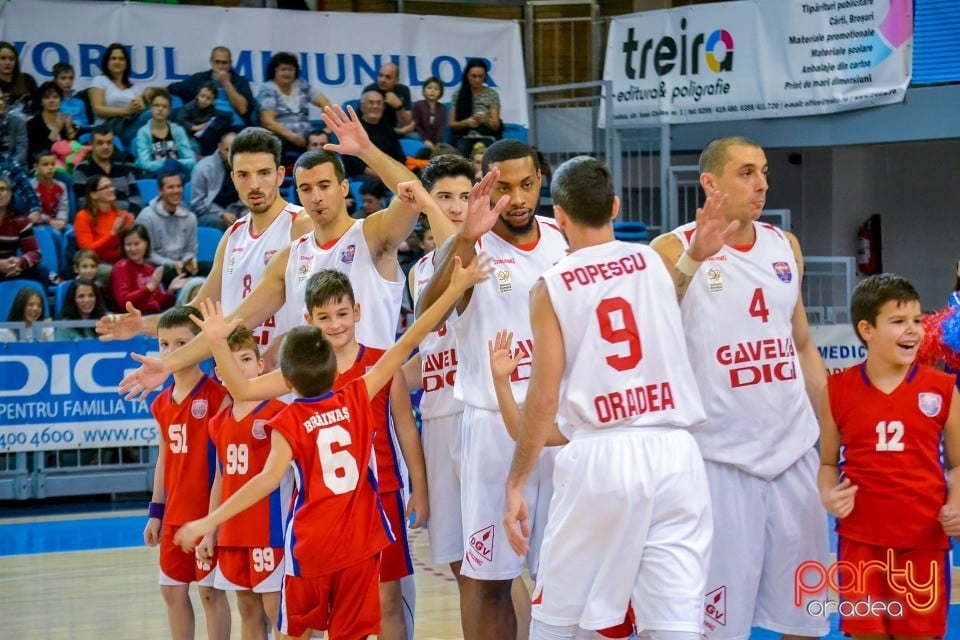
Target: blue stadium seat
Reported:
point(355, 191)
point(630, 231)
point(411, 146)
point(148, 189)
point(69, 249)
point(59, 297)
point(207, 240)
point(513, 131)
point(49, 240)
point(186, 195)
point(8, 291)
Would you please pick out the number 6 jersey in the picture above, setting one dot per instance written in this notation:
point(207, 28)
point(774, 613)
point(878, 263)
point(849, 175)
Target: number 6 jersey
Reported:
point(738, 319)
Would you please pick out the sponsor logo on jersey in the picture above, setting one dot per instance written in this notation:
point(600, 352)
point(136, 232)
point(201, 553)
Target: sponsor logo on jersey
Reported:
point(930, 403)
point(714, 279)
point(230, 264)
point(268, 254)
point(259, 430)
point(715, 607)
point(302, 272)
point(348, 254)
point(503, 280)
point(480, 547)
point(782, 269)
point(199, 408)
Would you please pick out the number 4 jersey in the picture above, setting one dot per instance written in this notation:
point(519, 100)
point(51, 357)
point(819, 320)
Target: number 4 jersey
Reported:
point(626, 362)
point(890, 449)
point(738, 319)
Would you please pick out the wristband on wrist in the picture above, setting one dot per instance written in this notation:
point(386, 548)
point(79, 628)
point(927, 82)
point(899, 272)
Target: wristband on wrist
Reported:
point(155, 510)
point(687, 265)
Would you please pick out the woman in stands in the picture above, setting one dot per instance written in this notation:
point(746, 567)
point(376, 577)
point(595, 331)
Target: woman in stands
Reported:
point(99, 224)
point(19, 88)
point(135, 280)
point(27, 308)
point(476, 108)
point(84, 302)
point(115, 99)
point(284, 102)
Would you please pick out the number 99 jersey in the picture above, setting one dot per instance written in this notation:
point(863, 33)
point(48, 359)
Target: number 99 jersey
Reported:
point(626, 359)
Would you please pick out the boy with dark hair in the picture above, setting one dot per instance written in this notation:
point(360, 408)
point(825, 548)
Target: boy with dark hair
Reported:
point(895, 509)
point(54, 200)
point(337, 528)
point(71, 105)
point(181, 484)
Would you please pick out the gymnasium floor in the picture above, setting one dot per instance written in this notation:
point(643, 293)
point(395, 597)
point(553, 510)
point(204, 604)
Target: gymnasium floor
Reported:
point(88, 575)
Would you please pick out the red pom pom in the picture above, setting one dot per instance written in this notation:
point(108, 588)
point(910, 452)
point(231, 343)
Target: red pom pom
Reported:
point(932, 349)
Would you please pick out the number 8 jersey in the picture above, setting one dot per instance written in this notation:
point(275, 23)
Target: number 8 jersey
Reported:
point(625, 354)
point(738, 318)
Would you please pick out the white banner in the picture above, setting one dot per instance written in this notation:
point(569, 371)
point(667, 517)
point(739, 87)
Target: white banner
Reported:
point(339, 53)
point(838, 346)
point(758, 59)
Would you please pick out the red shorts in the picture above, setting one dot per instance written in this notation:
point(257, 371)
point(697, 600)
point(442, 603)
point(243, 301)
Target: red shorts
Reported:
point(346, 604)
point(258, 569)
point(179, 567)
point(911, 601)
point(395, 560)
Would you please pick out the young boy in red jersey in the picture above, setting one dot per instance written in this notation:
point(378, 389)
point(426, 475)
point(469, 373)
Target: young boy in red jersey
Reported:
point(181, 483)
point(337, 528)
point(895, 509)
point(249, 547)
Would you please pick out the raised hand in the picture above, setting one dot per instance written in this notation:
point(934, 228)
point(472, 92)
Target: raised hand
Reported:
point(839, 499)
point(352, 137)
point(501, 362)
point(151, 374)
point(214, 325)
point(481, 214)
point(414, 194)
point(177, 283)
point(713, 227)
point(463, 278)
point(122, 326)
point(156, 278)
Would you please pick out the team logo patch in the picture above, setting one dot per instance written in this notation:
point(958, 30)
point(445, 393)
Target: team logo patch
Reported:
point(230, 264)
point(480, 547)
point(268, 254)
point(348, 254)
point(715, 607)
point(929, 403)
point(782, 269)
point(302, 273)
point(198, 409)
point(503, 280)
point(714, 279)
point(259, 430)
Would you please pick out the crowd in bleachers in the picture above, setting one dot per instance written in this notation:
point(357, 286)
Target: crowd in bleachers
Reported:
point(136, 178)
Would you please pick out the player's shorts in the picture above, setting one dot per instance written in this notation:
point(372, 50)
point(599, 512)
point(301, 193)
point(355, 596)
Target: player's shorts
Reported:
point(763, 530)
point(179, 567)
point(912, 602)
point(442, 444)
point(345, 603)
point(257, 569)
point(629, 525)
point(487, 456)
point(395, 562)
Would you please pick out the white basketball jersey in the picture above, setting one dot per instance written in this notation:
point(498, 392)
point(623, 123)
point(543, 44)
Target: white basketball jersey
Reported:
point(502, 301)
point(438, 355)
point(738, 315)
point(379, 299)
point(625, 357)
point(246, 258)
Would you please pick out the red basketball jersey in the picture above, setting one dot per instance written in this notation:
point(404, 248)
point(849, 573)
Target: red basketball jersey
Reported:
point(189, 455)
point(242, 450)
point(388, 474)
point(890, 449)
point(337, 520)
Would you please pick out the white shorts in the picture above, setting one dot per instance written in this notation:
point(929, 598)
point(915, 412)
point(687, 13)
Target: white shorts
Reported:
point(442, 444)
point(629, 525)
point(763, 531)
point(487, 456)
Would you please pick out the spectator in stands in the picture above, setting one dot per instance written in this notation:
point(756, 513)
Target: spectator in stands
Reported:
point(19, 88)
point(214, 198)
point(50, 125)
point(54, 201)
point(71, 105)
point(163, 146)
point(477, 152)
point(99, 224)
point(115, 100)
point(316, 139)
point(429, 114)
point(371, 198)
point(198, 115)
point(234, 97)
point(84, 301)
point(27, 308)
point(444, 149)
point(382, 136)
point(427, 241)
point(283, 102)
point(135, 280)
point(16, 234)
point(13, 133)
point(25, 200)
point(86, 264)
point(396, 98)
point(476, 108)
point(100, 162)
point(172, 228)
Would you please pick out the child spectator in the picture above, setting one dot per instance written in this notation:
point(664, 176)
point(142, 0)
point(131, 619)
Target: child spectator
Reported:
point(86, 264)
point(894, 507)
point(429, 114)
point(196, 115)
point(71, 106)
point(249, 546)
point(27, 308)
point(163, 146)
point(54, 200)
point(50, 125)
point(181, 487)
point(372, 193)
point(337, 529)
point(427, 241)
point(84, 302)
point(135, 280)
point(99, 223)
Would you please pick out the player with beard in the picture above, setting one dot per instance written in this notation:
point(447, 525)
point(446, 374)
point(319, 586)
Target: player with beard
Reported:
point(521, 246)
